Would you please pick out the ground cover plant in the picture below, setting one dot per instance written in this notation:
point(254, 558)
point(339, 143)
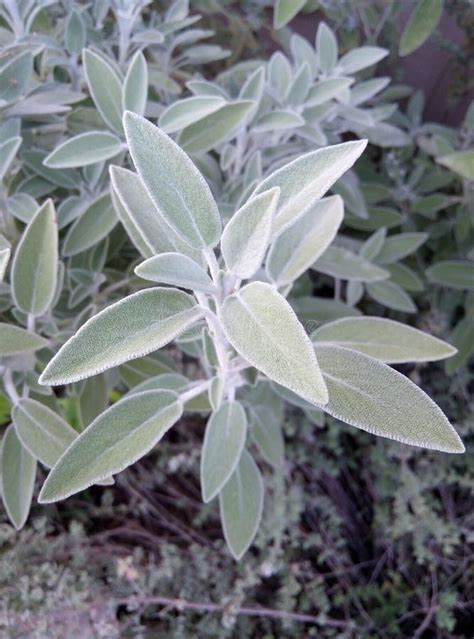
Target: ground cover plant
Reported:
point(233, 259)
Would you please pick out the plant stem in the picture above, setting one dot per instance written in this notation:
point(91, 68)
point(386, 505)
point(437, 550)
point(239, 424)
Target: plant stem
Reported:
point(10, 386)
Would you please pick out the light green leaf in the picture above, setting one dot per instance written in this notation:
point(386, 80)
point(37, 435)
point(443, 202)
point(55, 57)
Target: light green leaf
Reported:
point(129, 225)
point(224, 442)
point(115, 440)
point(185, 112)
point(277, 121)
point(135, 86)
point(18, 478)
point(8, 151)
point(177, 270)
point(15, 76)
point(326, 90)
point(241, 505)
point(263, 328)
point(372, 396)
point(133, 327)
point(4, 259)
point(461, 162)
point(326, 47)
point(373, 245)
point(267, 433)
point(391, 295)
point(383, 339)
point(300, 245)
point(35, 265)
point(91, 227)
point(75, 34)
point(173, 182)
point(216, 128)
point(396, 247)
point(84, 149)
point(14, 340)
point(421, 25)
point(361, 58)
point(285, 11)
point(43, 433)
point(105, 87)
point(463, 339)
point(139, 370)
point(341, 263)
point(452, 273)
point(405, 277)
point(247, 234)
point(306, 179)
point(312, 310)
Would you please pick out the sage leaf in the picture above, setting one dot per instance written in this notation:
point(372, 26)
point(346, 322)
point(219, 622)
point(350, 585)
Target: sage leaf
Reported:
point(224, 441)
point(341, 263)
point(135, 86)
point(120, 436)
point(8, 151)
point(35, 265)
point(326, 90)
point(75, 34)
point(391, 295)
point(247, 234)
point(15, 76)
point(216, 128)
point(278, 121)
point(361, 58)
point(301, 244)
point(91, 227)
point(18, 478)
point(306, 179)
point(421, 25)
point(177, 270)
point(396, 247)
point(43, 433)
point(372, 396)
point(241, 505)
point(452, 273)
point(105, 87)
point(386, 340)
point(267, 434)
point(174, 184)
point(4, 259)
point(15, 340)
point(461, 162)
point(84, 149)
point(263, 328)
point(285, 10)
point(185, 112)
point(135, 326)
point(326, 47)
point(129, 225)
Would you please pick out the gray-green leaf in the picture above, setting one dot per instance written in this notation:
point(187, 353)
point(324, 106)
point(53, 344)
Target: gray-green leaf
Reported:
point(14, 340)
point(105, 87)
point(135, 86)
point(421, 25)
point(4, 259)
point(453, 273)
point(185, 112)
point(285, 10)
point(341, 263)
point(116, 439)
point(91, 227)
point(84, 149)
point(177, 270)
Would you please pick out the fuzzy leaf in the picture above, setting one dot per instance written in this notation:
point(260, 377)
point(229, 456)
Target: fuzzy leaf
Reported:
point(285, 11)
point(383, 339)
point(241, 505)
point(326, 90)
point(105, 87)
point(42, 431)
point(133, 327)
point(326, 47)
point(372, 396)
point(14, 340)
point(224, 442)
point(8, 151)
point(396, 247)
point(185, 112)
point(391, 295)
point(35, 265)
point(173, 182)
point(115, 440)
point(267, 434)
point(421, 25)
point(341, 263)
point(246, 236)
point(18, 478)
point(461, 162)
point(91, 227)
point(177, 270)
point(263, 328)
point(300, 245)
point(15, 76)
point(306, 179)
point(453, 273)
point(361, 58)
point(135, 86)
point(278, 121)
point(84, 149)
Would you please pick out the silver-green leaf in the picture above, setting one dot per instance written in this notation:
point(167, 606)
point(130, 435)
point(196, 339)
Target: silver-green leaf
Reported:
point(177, 270)
point(15, 340)
point(84, 149)
point(105, 87)
point(135, 86)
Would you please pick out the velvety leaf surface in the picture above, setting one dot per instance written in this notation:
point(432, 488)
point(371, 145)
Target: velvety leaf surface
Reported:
point(105, 87)
point(15, 340)
point(84, 149)
point(177, 270)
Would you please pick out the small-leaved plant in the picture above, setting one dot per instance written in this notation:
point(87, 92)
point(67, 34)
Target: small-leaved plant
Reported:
point(223, 290)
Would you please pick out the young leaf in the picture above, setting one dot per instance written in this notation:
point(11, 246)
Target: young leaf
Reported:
point(372, 396)
point(173, 182)
point(326, 90)
point(452, 273)
point(177, 270)
point(43, 433)
point(14, 340)
point(383, 339)
point(105, 87)
point(115, 440)
point(306, 179)
point(246, 235)
point(135, 86)
point(133, 327)
point(241, 505)
point(341, 263)
point(285, 11)
point(4, 259)
point(84, 149)
point(18, 478)
point(326, 47)
point(91, 227)
point(361, 58)
point(75, 34)
point(391, 295)
point(421, 25)
point(35, 265)
point(263, 328)
point(8, 151)
point(216, 128)
point(185, 112)
point(300, 245)
point(396, 247)
point(224, 442)
point(278, 121)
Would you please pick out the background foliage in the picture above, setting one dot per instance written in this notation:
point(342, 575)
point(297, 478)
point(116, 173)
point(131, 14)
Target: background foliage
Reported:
point(367, 538)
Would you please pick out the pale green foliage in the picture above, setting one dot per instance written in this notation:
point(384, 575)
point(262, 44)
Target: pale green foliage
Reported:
point(178, 270)
point(421, 25)
point(105, 88)
point(4, 258)
point(185, 112)
point(14, 340)
point(285, 10)
point(18, 478)
point(135, 86)
point(84, 149)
